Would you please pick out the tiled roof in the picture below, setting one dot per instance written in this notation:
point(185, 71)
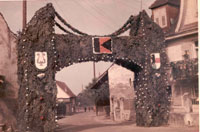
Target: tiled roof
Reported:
point(65, 88)
point(159, 3)
point(100, 80)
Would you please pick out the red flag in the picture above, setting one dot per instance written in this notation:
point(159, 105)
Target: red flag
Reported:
point(102, 45)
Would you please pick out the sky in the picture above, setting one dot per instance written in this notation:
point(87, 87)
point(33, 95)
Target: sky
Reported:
point(94, 17)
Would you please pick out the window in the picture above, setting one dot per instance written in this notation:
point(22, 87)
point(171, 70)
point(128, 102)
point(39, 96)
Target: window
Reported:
point(130, 81)
point(186, 56)
point(172, 21)
point(157, 21)
point(197, 8)
point(196, 47)
point(194, 92)
point(163, 21)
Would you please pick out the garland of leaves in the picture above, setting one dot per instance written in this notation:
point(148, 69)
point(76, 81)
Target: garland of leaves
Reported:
point(69, 26)
point(66, 31)
point(121, 30)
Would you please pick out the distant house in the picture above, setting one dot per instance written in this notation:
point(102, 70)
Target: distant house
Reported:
point(65, 98)
point(102, 100)
point(179, 21)
point(122, 93)
point(119, 81)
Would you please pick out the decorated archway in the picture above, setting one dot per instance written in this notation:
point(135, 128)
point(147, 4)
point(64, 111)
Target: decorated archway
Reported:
point(42, 52)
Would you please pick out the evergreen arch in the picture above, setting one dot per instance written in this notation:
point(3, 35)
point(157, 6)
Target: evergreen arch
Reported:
point(37, 93)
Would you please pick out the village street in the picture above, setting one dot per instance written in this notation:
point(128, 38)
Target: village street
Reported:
point(120, 58)
point(88, 122)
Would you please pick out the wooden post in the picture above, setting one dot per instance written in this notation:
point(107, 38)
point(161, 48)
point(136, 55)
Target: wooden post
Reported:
point(24, 13)
point(94, 70)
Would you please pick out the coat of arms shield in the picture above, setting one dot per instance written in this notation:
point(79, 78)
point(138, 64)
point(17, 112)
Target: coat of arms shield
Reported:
point(41, 60)
point(155, 60)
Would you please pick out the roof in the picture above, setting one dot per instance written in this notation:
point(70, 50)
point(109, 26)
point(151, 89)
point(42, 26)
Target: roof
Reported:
point(159, 3)
point(104, 77)
point(101, 79)
point(181, 28)
point(65, 88)
point(11, 32)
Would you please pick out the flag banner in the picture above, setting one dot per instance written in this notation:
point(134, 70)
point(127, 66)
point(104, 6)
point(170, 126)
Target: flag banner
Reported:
point(102, 45)
point(155, 60)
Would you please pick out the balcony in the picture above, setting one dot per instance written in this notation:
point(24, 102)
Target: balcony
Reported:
point(184, 69)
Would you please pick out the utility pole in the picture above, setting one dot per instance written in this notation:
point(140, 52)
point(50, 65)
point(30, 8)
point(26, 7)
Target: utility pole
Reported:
point(82, 88)
point(141, 5)
point(24, 13)
point(94, 70)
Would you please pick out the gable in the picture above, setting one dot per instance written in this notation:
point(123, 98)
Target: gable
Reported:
point(61, 93)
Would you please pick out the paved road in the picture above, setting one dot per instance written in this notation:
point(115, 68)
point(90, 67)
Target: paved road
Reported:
point(88, 122)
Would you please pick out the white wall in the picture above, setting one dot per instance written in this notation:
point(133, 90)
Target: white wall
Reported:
point(119, 83)
point(8, 55)
point(190, 13)
point(121, 90)
point(61, 93)
point(8, 68)
point(4, 45)
point(176, 50)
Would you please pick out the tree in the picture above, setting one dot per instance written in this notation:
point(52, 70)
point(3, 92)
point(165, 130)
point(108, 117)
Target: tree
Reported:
point(89, 96)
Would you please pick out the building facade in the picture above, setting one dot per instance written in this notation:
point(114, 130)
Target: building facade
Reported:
point(121, 93)
point(179, 21)
point(102, 95)
point(8, 71)
point(8, 56)
point(120, 103)
point(66, 99)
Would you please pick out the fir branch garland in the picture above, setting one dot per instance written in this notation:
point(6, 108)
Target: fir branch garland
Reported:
point(69, 26)
point(121, 30)
point(62, 28)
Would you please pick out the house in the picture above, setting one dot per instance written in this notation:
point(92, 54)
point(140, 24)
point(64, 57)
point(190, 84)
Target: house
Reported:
point(119, 80)
point(122, 93)
point(8, 76)
point(8, 56)
point(102, 100)
point(66, 99)
point(179, 21)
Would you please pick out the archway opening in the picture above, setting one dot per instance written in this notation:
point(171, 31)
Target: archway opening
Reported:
point(110, 95)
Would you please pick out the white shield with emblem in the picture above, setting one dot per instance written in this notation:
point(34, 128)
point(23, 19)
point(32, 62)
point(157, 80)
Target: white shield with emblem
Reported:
point(155, 60)
point(41, 60)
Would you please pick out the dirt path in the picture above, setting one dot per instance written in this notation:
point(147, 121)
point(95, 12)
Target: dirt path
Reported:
point(88, 122)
